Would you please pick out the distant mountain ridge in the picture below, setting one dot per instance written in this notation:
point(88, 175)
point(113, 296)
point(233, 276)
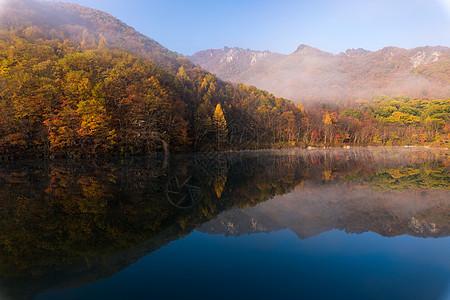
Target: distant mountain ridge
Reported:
point(76, 81)
point(312, 74)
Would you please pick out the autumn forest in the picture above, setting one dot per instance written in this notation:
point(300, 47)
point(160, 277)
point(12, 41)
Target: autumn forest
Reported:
point(130, 171)
point(87, 84)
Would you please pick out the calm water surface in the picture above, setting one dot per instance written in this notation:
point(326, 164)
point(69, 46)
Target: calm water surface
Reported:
point(306, 224)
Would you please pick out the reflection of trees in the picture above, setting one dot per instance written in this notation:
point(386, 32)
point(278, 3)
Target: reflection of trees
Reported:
point(418, 177)
point(65, 217)
point(75, 218)
point(181, 193)
point(221, 176)
point(355, 199)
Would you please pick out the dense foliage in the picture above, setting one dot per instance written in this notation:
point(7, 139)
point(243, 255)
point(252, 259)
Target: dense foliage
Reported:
point(80, 82)
point(382, 121)
point(58, 98)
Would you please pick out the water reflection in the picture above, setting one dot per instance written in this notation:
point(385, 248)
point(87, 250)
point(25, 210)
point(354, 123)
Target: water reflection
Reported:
point(64, 224)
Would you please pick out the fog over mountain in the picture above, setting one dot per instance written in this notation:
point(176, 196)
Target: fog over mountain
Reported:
point(314, 208)
point(310, 74)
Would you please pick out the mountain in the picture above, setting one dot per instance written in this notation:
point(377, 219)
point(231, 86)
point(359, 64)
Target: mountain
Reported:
point(311, 74)
point(80, 24)
point(77, 81)
point(235, 63)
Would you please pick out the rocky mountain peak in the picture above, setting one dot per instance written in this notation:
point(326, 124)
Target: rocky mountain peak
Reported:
point(309, 73)
point(356, 52)
point(423, 55)
point(306, 50)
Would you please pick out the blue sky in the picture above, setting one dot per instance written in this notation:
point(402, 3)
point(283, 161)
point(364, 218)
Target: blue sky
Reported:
point(187, 26)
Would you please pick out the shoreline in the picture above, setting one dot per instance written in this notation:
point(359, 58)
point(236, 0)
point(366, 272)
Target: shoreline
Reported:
point(161, 154)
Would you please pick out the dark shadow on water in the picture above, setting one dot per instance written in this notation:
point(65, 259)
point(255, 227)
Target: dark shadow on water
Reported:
point(65, 224)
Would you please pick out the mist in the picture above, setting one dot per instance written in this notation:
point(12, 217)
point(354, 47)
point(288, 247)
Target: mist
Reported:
point(310, 75)
point(27, 13)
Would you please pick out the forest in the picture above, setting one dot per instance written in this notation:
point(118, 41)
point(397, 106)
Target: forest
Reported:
point(58, 99)
point(85, 84)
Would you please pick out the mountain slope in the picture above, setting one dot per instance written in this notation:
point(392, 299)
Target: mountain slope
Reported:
point(235, 63)
point(311, 74)
point(75, 80)
point(83, 24)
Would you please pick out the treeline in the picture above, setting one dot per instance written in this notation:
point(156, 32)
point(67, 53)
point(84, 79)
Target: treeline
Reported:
point(77, 81)
point(60, 98)
point(381, 121)
point(114, 90)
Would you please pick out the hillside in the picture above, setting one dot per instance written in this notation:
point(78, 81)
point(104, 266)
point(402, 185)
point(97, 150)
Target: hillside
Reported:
point(79, 24)
point(310, 74)
point(76, 80)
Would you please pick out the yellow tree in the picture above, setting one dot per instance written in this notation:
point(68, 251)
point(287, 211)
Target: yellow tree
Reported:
point(328, 124)
point(221, 175)
point(94, 131)
point(221, 126)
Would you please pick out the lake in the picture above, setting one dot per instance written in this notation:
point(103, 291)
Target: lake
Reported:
point(362, 223)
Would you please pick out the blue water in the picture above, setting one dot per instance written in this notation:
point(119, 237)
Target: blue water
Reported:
point(246, 225)
point(278, 265)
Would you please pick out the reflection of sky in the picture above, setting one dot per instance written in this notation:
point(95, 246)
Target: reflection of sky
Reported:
point(446, 295)
point(279, 265)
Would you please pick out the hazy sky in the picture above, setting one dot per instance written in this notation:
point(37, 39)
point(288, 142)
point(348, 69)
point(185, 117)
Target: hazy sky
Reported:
point(187, 26)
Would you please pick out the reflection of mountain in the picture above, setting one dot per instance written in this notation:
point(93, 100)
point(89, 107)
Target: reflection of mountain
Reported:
point(65, 224)
point(345, 206)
